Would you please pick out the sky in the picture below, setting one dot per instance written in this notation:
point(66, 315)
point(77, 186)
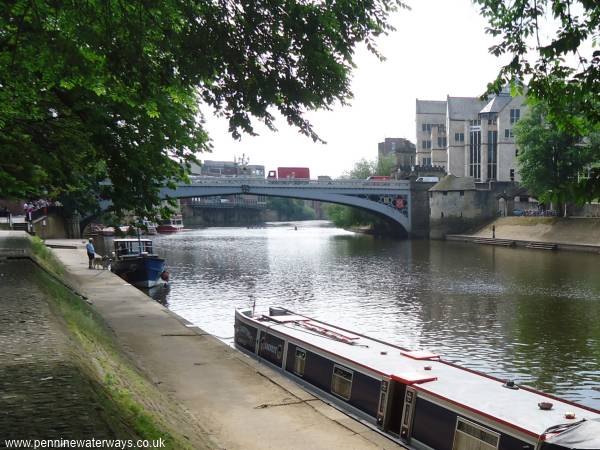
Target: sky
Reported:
point(439, 48)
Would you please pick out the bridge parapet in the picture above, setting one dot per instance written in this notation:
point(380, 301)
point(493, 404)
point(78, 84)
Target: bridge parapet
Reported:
point(334, 184)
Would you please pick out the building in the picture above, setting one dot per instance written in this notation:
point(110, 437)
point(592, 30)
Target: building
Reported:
point(470, 137)
point(402, 149)
point(430, 115)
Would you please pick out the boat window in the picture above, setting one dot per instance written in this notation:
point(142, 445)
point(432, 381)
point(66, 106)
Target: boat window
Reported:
point(341, 382)
point(474, 437)
point(300, 362)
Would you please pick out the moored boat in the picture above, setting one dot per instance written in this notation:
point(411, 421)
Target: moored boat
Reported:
point(414, 397)
point(135, 262)
point(172, 225)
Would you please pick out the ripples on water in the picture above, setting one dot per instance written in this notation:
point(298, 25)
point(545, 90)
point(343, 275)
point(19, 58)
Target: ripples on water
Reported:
point(529, 315)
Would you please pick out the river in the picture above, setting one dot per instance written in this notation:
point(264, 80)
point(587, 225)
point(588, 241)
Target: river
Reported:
point(528, 315)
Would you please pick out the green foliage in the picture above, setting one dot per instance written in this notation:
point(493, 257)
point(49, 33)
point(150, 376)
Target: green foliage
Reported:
point(95, 90)
point(346, 216)
point(45, 257)
point(290, 208)
point(571, 90)
point(554, 163)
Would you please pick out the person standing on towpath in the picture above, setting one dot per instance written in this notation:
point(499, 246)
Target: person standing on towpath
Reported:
point(91, 251)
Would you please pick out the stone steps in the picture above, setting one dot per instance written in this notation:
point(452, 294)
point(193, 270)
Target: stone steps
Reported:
point(492, 241)
point(542, 245)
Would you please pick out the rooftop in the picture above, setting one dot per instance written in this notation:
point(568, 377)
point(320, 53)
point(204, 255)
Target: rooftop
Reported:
point(431, 107)
point(454, 183)
point(464, 108)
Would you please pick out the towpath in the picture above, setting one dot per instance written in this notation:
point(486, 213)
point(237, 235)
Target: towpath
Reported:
point(239, 402)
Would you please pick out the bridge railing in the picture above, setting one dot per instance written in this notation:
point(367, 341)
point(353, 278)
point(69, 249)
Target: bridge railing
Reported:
point(236, 181)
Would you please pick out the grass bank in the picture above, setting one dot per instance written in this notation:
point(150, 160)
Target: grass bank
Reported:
point(131, 404)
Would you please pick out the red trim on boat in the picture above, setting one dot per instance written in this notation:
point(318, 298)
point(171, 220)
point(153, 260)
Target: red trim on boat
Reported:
point(525, 388)
point(476, 372)
point(462, 405)
point(476, 411)
point(258, 325)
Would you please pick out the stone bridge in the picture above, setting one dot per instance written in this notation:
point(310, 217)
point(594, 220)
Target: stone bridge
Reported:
point(401, 201)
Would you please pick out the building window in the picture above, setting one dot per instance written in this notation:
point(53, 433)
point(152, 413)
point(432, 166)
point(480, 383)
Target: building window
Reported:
point(426, 145)
point(475, 123)
point(341, 382)
point(515, 115)
point(445, 192)
point(475, 155)
point(462, 193)
point(508, 132)
point(441, 142)
point(459, 137)
point(426, 161)
point(492, 155)
point(300, 362)
point(512, 174)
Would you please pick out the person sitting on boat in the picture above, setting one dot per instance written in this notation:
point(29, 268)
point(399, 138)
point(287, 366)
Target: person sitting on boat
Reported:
point(91, 251)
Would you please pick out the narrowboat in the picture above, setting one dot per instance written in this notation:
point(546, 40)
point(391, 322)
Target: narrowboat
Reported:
point(134, 261)
point(413, 397)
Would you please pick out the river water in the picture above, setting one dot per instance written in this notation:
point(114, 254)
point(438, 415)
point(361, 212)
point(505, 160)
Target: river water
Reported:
point(528, 315)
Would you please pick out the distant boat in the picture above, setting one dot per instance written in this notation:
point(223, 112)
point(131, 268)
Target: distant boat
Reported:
point(172, 225)
point(135, 262)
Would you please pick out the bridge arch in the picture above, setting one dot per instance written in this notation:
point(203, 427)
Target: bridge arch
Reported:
point(339, 193)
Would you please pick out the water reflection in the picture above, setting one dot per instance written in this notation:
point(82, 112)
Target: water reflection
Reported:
point(529, 315)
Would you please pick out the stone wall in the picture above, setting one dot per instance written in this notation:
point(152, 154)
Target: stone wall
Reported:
point(458, 211)
point(419, 209)
point(52, 227)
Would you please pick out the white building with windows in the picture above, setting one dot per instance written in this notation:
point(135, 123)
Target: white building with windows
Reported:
point(470, 137)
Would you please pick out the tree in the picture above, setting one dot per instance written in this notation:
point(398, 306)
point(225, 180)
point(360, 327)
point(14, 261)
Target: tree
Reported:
point(561, 71)
point(106, 89)
point(554, 163)
point(290, 208)
point(346, 216)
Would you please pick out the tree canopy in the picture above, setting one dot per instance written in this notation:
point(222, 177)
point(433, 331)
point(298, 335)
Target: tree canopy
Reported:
point(346, 216)
point(555, 164)
point(107, 89)
point(562, 70)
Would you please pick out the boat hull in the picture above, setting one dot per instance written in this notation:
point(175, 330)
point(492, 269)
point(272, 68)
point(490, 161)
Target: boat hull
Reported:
point(167, 229)
point(140, 271)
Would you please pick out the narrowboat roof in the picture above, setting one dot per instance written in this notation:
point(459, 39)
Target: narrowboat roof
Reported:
point(478, 393)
